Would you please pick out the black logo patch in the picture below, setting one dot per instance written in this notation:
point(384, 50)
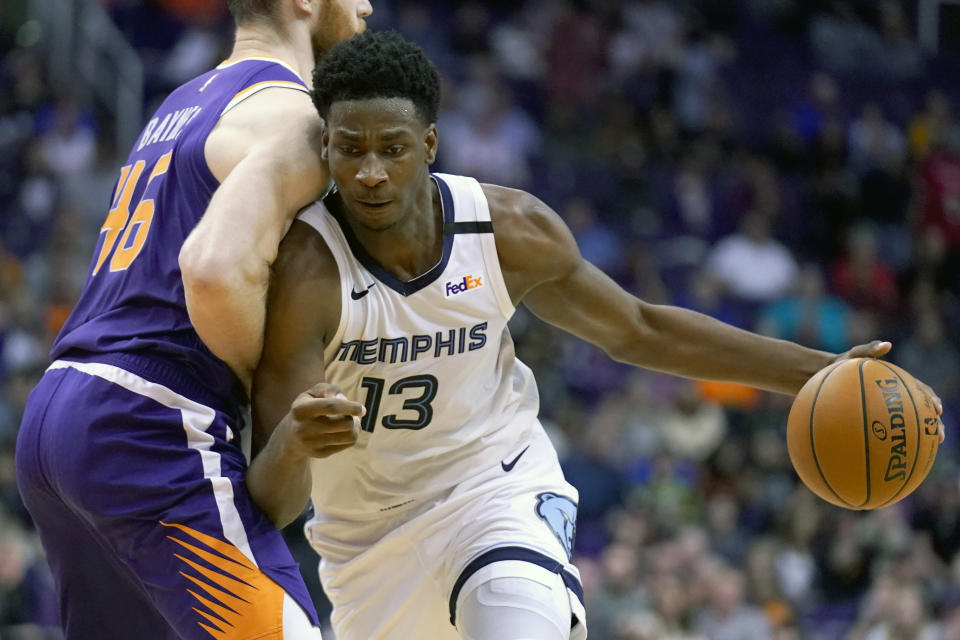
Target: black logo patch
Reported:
point(356, 295)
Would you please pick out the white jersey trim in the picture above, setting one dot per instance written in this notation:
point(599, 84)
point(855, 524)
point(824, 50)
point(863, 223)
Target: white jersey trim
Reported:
point(257, 88)
point(317, 216)
point(488, 245)
point(229, 63)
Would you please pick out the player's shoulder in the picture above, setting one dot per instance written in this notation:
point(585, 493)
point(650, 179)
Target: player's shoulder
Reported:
point(523, 220)
point(272, 110)
point(507, 202)
point(281, 124)
point(305, 281)
point(304, 253)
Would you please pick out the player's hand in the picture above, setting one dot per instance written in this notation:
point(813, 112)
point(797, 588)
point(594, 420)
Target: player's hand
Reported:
point(321, 422)
point(937, 404)
point(879, 348)
point(875, 349)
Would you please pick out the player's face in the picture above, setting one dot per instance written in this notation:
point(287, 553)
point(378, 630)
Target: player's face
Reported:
point(379, 152)
point(338, 20)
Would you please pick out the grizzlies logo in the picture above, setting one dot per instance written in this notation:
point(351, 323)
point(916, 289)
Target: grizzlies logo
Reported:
point(560, 514)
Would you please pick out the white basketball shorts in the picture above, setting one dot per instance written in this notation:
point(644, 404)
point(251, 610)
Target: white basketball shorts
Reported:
point(400, 578)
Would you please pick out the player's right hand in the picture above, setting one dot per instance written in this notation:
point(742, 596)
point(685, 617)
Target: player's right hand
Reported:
point(321, 422)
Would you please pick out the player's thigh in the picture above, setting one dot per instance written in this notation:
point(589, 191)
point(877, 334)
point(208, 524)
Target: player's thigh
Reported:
point(161, 485)
point(98, 596)
point(386, 594)
point(211, 561)
point(520, 524)
point(534, 606)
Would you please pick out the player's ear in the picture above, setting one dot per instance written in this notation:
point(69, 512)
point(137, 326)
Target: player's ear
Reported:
point(306, 7)
point(324, 143)
point(430, 141)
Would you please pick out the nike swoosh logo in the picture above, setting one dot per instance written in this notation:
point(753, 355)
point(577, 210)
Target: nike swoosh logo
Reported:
point(508, 466)
point(356, 295)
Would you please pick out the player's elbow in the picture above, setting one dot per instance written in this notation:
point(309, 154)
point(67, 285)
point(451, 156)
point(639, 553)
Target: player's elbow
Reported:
point(635, 338)
point(211, 273)
point(203, 273)
point(283, 519)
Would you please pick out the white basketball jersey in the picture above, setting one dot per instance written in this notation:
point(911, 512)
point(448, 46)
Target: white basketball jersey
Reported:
point(431, 359)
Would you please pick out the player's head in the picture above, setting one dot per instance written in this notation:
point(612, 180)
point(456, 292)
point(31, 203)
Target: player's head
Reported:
point(328, 21)
point(379, 96)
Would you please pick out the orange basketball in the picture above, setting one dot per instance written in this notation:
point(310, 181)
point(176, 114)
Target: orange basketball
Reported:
point(862, 434)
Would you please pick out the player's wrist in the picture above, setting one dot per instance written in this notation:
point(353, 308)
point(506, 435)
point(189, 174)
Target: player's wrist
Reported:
point(290, 447)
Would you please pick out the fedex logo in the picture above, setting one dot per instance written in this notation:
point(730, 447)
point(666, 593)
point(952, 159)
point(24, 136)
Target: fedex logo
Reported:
point(468, 283)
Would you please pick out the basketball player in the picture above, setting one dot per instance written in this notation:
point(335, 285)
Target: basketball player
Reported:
point(446, 515)
point(128, 458)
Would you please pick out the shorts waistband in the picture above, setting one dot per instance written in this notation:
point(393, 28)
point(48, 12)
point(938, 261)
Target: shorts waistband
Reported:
point(169, 375)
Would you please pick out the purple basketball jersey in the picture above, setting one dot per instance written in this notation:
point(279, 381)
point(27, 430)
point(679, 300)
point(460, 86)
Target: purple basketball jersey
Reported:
point(132, 311)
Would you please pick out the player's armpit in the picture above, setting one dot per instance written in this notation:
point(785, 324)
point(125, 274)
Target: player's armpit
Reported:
point(225, 262)
point(533, 244)
point(543, 268)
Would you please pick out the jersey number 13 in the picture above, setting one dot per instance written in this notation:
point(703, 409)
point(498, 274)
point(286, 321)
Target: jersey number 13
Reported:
point(425, 389)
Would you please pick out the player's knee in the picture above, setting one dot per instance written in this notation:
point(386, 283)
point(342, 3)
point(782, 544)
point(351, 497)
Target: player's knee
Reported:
point(512, 608)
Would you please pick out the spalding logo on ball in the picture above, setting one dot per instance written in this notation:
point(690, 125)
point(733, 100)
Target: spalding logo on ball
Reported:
point(862, 434)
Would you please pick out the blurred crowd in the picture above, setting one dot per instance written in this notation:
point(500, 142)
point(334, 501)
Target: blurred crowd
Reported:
point(791, 167)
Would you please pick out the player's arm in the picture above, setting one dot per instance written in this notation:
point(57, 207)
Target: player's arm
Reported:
point(296, 415)
point(543, 268)
point(265, 152)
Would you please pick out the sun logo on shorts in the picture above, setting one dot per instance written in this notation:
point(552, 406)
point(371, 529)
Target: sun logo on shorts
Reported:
point(560, 514)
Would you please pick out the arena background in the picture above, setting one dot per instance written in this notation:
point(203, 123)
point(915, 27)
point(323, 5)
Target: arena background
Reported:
point(789, 166)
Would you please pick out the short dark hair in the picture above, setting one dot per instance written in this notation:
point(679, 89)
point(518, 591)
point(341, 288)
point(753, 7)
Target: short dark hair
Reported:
point(244, 11)
point(377, 65)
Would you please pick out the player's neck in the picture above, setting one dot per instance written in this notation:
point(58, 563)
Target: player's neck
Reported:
point(415, 244)
point(256, 41)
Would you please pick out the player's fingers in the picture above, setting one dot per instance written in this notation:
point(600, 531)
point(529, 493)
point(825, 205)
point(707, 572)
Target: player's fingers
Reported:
point(320, 441)
point(306, 407)
point(934, 398)
point(329, 451)
point(323, 425)
point(874, 349)
point(937, 402)
point(324, 390)
point(363, 407)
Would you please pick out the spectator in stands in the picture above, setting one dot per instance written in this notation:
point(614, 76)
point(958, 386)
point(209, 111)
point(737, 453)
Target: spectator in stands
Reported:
point(69, 144)
point(938, 199)
point(691, 427)
point(928, 355)
point(862, 278)
point(727, 615)
point(895, 611)
point(875, 141)
point(618, 594)
point(810, 315)
point(929, 124)
point(485, 133)
point(753, 266)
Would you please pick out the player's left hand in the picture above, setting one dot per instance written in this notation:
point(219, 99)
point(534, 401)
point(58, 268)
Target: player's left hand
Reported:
point(879, 348)
point(875, 349)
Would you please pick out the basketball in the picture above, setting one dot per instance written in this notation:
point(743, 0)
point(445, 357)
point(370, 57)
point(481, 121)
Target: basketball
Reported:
point(862, 433)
